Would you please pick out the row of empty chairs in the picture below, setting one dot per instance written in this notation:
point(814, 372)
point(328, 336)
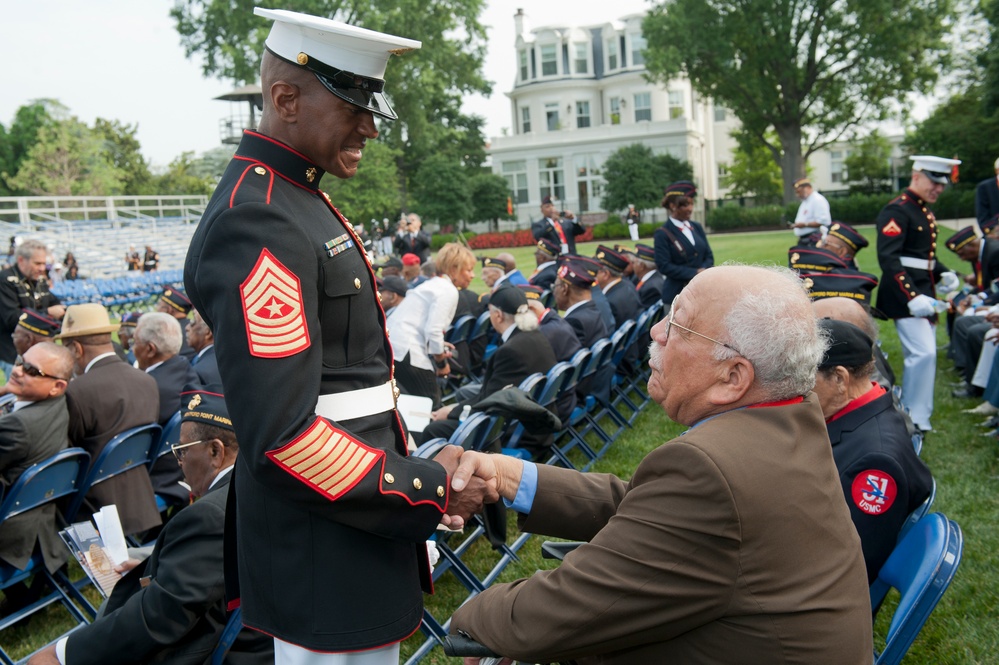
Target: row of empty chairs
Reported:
point(116, 293)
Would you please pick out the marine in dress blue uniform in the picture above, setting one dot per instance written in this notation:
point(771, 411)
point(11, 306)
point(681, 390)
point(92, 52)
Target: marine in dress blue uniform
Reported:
point(883, 479)
point(332, 514)
point(907, 253)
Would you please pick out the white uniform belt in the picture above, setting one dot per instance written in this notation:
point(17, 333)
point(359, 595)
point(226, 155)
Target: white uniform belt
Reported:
point(922, 264)
point(356, 403)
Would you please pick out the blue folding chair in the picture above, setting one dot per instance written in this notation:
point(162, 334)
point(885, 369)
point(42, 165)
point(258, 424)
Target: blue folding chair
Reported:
point(170, 434)
point(128, 450)
point(910, 522)
point(228, 636)
point(921, 567)
point(59, 476)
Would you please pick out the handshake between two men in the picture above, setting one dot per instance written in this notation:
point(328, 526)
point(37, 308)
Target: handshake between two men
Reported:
point(476, 479)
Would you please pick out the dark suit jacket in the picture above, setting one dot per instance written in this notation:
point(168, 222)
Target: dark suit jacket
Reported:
point(882, 477)
point(513, 361)
point(30, 435)
point(624, 302)
point(171, 378)
point(419, 245)
point(571, 228)
point(109, 399)
point(545, 277)
point(179, 616)
point(207, 368)
point(603, 306)
point(651, 290)
point(731, 544)
point(562, 337)
point(987, 200)
point(588, 324)
point(677, 259)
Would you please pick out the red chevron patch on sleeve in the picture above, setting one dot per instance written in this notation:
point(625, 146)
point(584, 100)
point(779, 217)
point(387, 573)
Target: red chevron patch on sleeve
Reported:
point(273, 310)
point(892, 229)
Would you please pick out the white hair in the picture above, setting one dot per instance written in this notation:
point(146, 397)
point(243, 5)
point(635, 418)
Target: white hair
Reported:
point(160, 329)
point(773, 327)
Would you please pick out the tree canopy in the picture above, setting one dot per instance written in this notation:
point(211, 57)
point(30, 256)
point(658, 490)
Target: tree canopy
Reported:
point(373, 193)
point(489, 194)
point(634, 174)
point(441, 191)
point(809, 69)
point(753, 171)
point(964, 126)
point(868, 166)
point(425, 87)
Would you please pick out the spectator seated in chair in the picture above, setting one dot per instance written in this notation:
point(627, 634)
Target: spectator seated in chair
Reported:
point(171, 608)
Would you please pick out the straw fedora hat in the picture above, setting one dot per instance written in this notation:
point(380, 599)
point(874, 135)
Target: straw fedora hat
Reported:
point(88, 319)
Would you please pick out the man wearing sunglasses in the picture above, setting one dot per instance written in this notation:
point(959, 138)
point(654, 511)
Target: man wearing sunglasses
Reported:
point(731, 543)
point(171, 607)
point(33, 432)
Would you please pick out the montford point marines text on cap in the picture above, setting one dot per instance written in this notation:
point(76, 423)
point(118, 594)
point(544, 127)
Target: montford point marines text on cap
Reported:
point(490, 262)
point(349, 61)
point(936, 169)
point(204, 405)
point(802, 182)
point(549, 247)
point(611, 259)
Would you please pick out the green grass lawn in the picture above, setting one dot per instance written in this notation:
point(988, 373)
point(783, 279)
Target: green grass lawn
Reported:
point(962, 630)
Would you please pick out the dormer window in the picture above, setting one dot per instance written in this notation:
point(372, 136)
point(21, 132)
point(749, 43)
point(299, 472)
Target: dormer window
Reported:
point(549, 60)
point(580, 64)
point(612, 53)
point(637, 46)
point(522, 57)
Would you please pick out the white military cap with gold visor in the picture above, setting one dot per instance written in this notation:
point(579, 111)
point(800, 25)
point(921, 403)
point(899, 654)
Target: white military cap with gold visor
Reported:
point(349, 61)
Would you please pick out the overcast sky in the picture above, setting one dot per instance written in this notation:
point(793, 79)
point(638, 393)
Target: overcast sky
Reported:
point(122, 59)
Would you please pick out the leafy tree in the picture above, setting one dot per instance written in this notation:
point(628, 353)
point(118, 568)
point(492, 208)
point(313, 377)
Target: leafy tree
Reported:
point(23, 132)
point(868, 166)
point(633, 174)
point(809, 69)
point(989, 59)
point(373, 193)
point(441, 190)
point(964, 126)
point(183, 177)
point(753, 171)
point(122, 151)
point(67, 159)
point(426, 87)
point(489, 196)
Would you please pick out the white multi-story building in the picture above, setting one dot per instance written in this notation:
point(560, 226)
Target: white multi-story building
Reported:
point(581, 94)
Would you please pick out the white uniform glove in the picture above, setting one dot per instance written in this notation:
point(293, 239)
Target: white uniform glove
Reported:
point(433, 553)
point(922, 305)
point(948, 282)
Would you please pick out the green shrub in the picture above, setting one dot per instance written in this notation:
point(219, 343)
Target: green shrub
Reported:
point(732, 218)
point(438, 240)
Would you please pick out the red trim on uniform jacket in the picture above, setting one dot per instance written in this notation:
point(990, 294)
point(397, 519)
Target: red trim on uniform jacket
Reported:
point(270, 184)
point(784, 402)
point(875, 392)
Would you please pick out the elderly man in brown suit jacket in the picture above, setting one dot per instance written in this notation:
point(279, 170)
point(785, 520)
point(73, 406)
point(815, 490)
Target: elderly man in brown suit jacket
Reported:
point(107, 397)
point(731, 543)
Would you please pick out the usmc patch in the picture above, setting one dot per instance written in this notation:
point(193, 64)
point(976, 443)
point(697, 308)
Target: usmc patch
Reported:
point(892, 229)
point(273, 309)
point(873, 491)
